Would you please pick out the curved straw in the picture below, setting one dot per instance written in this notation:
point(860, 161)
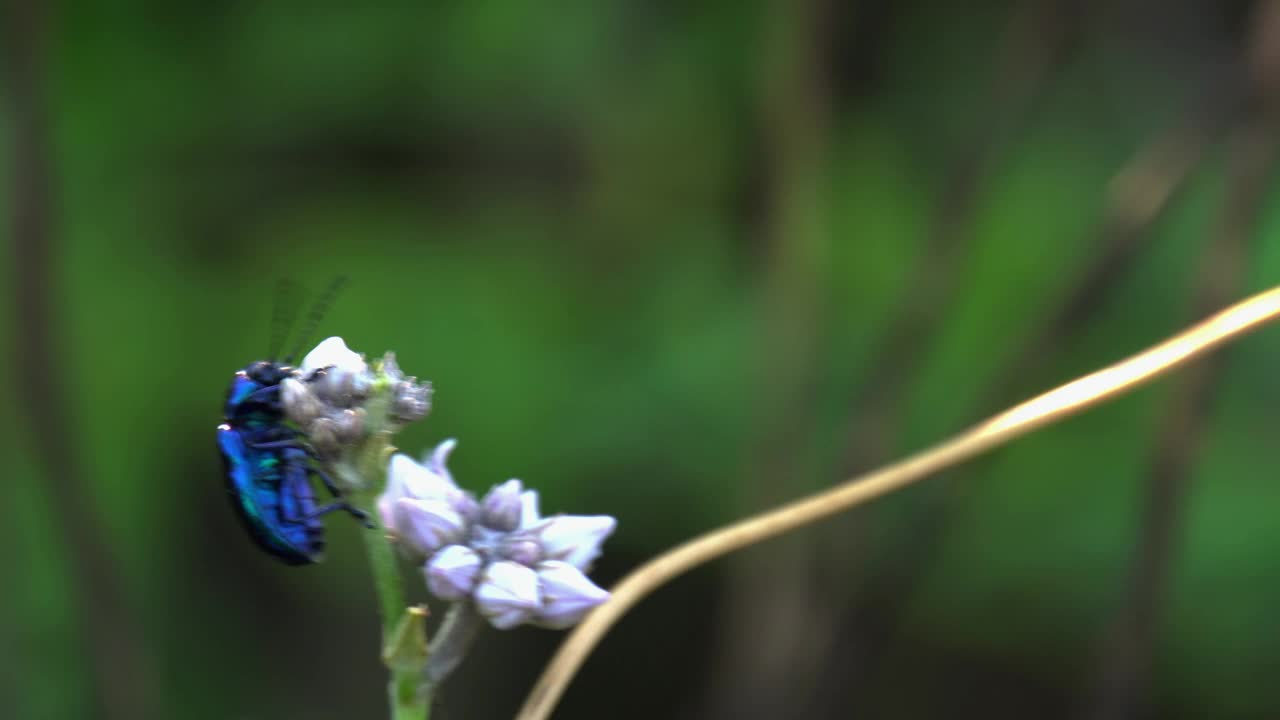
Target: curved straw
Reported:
point(1050, 407)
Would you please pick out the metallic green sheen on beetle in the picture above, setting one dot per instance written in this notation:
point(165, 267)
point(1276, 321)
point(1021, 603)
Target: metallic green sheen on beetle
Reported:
point(269, 466)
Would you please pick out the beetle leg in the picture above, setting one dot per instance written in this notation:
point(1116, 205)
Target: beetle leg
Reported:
point(362, 516)
point(325, 510)
point(355, 512)
point(302, 444)
point(275, 444)
point(297, 439)
point(328, 482)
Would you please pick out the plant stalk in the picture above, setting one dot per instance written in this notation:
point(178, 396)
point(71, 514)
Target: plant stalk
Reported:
point(407, 703)
point(1053, 406)
point(452, 641)
point(408, 699)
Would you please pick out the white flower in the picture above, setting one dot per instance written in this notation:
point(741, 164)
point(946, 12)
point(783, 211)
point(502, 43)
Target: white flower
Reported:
point(529, 508)
point(452, 572)
point(507, 594)
point(334, 353)
point(501, 507)
point(432, 481)
point(567, 594)
point(513, 564)
point(425, 526)
point(575, 539)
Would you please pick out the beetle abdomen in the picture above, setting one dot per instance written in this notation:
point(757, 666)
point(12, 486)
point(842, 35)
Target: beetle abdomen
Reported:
point(270, 492)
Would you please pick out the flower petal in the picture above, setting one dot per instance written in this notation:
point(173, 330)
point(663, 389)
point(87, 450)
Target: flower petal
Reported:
point(333, 352)
point(391, 493)
point(439, 457)
point(426, 525)
point(406, 478)
point(575, 539)
point(452, 572)
point(567, 594)
point(420, 481)
point(507, 594)
point(529, 509)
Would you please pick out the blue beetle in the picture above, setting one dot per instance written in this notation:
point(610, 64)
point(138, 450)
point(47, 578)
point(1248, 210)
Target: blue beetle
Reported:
point(268, 466)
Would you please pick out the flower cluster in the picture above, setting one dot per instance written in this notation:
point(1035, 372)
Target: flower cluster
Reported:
point(498, 552)
point(328, 397)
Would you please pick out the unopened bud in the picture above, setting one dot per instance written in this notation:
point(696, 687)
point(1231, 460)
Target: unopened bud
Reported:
point(507, 594)
point(567, 594)
point(425, 526)
point(501, 507)
point(349, 425)
point(300, 404)
point(411, 400)
point(323, 433)
point(521, 549)
point(452, 572)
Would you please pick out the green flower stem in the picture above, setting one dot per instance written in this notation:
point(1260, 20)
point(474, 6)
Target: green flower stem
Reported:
point(407, 702)
point(363, 475)
point(367, 470)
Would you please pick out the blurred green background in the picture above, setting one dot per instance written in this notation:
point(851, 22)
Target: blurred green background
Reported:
point(674, 262)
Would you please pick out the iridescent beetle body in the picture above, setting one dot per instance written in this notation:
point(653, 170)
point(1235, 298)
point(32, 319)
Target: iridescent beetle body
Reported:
point(269, 467)
point(269, 463)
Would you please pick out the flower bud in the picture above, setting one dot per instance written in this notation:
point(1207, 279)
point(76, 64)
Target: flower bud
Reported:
point(575, 539)
point(522, 549)
point(501, 507)
point(426, 525)
point(340, 388)
point(323, 434)
point(507, 594)
point(567, 594)
point(452, 572)
point(333, 353)
point(411, 400)
point(408, 479)
point(349, 425)
point(465, 504)
point(300, 403)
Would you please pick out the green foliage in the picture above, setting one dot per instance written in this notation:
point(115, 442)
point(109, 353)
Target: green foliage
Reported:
point(555, 217)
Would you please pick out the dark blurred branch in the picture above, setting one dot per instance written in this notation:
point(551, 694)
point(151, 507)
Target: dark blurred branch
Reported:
point(1037, 40)
point(40, 376)
point(1140, 193)
point(1123, 689)
point(1126, 662)
point(774, 584)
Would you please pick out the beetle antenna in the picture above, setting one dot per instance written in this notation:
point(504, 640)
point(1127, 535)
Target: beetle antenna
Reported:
point(318, 310)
